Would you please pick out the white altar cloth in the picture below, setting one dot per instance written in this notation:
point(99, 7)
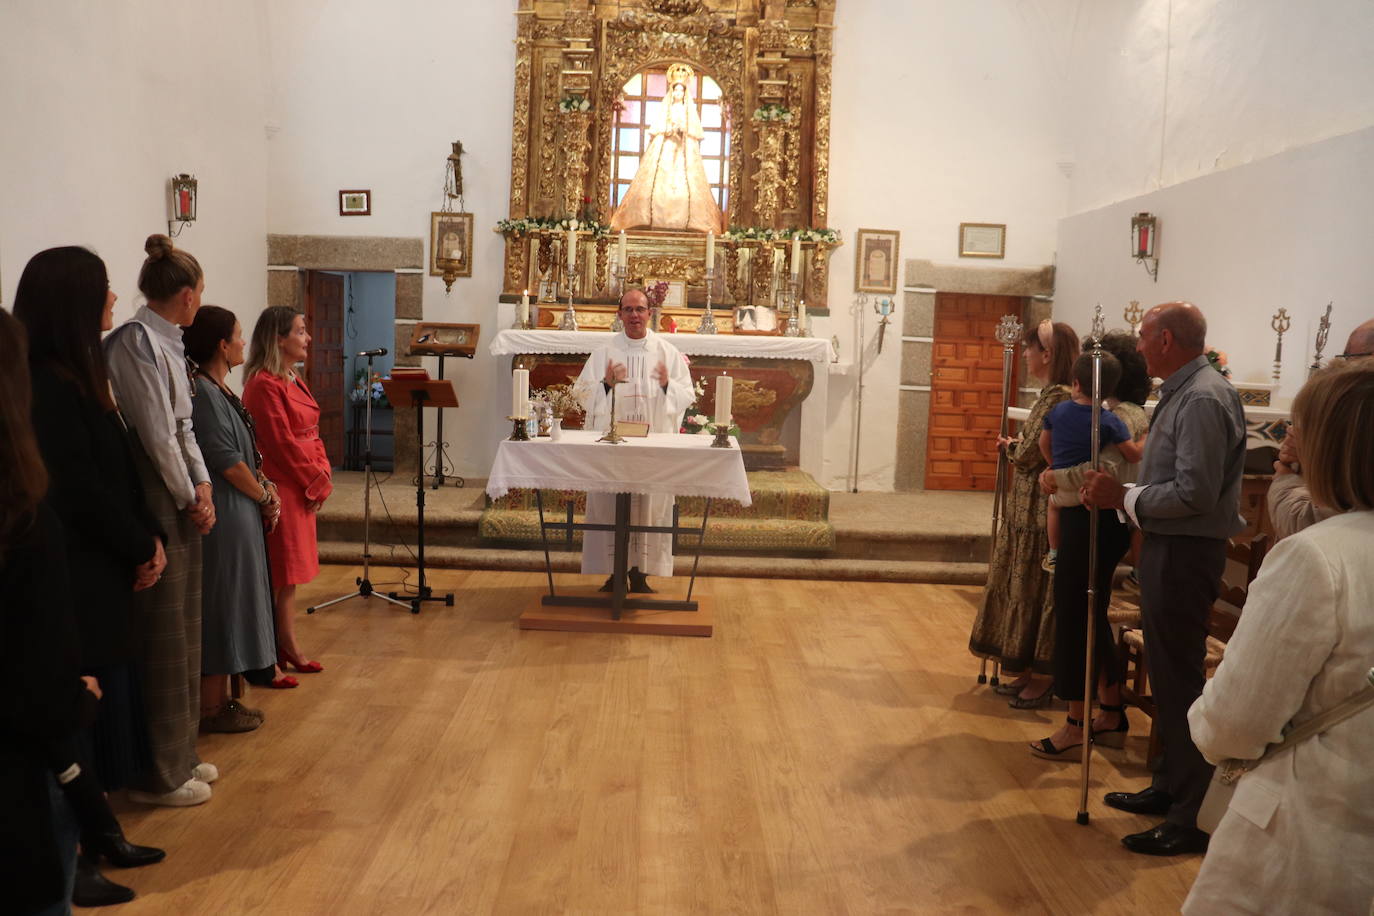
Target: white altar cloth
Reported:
point(815, 350)
point(511, 342)
point(661, 464)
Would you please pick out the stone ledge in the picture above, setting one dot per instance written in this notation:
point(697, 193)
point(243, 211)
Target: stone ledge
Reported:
point(345, 252)
point(990, 281)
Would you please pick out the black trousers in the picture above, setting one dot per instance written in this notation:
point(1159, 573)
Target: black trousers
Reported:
point(1071, 596)
point(1180, 577)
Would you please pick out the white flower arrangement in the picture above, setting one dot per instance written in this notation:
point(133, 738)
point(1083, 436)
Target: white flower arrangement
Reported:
point(574, 103)
point(760, 234)
point(773, 112)
point(514, 228)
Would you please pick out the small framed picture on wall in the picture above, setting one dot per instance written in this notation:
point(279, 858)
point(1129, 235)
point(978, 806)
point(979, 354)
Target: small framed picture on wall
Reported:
point(450, 236)
point(982, 240)
point(876, 261)
point(355, 203)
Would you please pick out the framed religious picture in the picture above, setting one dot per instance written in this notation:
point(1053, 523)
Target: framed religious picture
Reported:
point(355, 203)
point(675, 297)
point(982, 240)
point(450, 236)
point(875, 261)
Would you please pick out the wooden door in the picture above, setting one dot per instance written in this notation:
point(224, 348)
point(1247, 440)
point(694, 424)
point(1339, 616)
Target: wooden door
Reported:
point(966, 390)
point(324, 366)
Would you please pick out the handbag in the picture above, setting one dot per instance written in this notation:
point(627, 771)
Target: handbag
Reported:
point(1228, 772)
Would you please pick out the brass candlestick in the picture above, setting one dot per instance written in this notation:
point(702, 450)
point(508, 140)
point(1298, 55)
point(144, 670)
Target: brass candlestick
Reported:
point(722, 439)
point(612, 434)
point(519, 432)
point(569, 321)
point(1133, 314)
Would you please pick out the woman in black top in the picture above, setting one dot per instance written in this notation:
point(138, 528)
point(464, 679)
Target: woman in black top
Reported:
point(113, 544)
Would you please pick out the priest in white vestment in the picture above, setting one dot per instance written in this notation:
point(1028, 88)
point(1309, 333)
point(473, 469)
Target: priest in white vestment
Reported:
point(654, 386)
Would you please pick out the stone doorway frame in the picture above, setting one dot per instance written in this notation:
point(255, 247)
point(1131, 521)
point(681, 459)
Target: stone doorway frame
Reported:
point(923, 280)
point(289, 256)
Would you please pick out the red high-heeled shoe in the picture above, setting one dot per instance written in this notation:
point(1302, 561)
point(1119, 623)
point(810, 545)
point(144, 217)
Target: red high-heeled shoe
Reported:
point(302, 666)
point(285, 682)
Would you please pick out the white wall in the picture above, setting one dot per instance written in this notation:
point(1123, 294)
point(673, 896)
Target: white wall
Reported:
point(1289, 231)
point(370, 95)
point(1164, 91)
point(100, 103)
point(943, 113)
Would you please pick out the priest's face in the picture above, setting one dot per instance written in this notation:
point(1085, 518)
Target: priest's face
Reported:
point(634, 314)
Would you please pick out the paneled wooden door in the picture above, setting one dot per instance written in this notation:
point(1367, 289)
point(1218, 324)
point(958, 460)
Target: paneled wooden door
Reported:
point(966, 390)
point(324, 364)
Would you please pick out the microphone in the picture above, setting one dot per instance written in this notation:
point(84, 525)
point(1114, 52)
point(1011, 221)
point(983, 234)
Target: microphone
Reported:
point(380, 351)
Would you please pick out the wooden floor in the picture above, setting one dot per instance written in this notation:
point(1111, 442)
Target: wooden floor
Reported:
point(827, 751)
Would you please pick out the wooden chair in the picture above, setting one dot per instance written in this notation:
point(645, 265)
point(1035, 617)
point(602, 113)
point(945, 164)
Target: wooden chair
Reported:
point(1247, 554)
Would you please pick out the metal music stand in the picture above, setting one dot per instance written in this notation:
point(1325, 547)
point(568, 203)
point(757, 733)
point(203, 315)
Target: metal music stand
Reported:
point(420, 391)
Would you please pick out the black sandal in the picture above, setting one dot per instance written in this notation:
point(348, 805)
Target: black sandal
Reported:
point(1113, 737)
point(1045, 749)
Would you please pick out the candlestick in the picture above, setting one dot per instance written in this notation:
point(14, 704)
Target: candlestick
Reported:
point(519, 431)
point(520, 393)
point(522, 312)
point(707, 325)
point(569, 320)
point(801, 317)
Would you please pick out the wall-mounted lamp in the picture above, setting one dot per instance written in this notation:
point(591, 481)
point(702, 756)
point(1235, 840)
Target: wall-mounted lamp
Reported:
point(1144, 239)
point(449, 261)
point(183, 203)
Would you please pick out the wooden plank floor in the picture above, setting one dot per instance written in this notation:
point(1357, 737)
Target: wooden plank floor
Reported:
point(827, 751)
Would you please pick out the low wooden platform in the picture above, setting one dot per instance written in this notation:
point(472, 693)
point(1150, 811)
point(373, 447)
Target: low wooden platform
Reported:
point(538, 616)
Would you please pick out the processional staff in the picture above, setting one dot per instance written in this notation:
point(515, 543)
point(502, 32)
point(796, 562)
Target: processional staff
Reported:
point(1008, 333)
point(1089, 674)
point(1323, 330)
point(1280, 323)
point(1133, 314)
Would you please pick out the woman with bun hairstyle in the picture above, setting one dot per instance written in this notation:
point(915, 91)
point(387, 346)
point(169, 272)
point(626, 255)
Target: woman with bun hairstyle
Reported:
point(152, 383)
point(288, 428)
point(236, 608)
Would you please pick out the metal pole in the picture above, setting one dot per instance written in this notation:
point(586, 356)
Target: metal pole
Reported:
point(1089, 674)
point(1008, 333)
point(861, 305)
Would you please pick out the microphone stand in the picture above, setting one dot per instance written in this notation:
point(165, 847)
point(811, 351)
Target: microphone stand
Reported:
point(364, 582)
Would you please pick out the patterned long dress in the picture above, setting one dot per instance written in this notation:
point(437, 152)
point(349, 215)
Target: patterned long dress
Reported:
point(1015, 625)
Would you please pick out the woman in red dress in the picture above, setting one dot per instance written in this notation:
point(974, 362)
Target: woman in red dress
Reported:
point(288, 429)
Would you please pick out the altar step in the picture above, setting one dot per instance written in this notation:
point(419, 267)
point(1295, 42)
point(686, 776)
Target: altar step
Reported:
point(898, 537)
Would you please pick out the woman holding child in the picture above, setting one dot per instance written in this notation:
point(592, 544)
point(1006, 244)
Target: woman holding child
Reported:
point(1122, 440)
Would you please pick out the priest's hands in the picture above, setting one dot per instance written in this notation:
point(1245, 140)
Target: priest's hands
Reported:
point(661, 374)
point(615, 372)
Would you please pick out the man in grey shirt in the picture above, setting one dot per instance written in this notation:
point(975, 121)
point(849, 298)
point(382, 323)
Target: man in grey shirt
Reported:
point(1187, 502)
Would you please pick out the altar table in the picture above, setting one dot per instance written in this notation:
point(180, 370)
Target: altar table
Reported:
point(660, 464)
point(816, 353)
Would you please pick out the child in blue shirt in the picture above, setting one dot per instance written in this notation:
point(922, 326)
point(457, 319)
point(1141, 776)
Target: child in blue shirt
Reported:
point(1066, 437)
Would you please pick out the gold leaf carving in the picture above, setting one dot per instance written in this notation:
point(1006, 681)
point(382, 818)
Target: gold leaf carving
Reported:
point(548, 149)
point(750, 397)
point(667, 267)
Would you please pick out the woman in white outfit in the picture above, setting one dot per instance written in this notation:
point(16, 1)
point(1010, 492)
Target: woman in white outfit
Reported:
point(1298, 836)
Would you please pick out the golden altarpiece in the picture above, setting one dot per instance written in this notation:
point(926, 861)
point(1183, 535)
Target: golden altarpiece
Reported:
point(588, 74)
point(767, 64)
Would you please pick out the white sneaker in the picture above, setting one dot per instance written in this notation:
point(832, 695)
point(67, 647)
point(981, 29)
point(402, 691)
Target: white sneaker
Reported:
point(191, 792)
point(205, 772)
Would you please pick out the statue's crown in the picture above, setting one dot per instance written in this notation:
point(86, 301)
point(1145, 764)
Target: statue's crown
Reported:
point(680, 73)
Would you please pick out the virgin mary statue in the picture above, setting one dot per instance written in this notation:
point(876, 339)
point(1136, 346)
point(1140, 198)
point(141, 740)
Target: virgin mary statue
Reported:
point(670, 190)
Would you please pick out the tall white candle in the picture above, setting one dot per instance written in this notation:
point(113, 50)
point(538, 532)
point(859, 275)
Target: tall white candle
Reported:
point(777, 257)
point(622, 257)
point(796, 254)
point(725, 393)
point(520, 393)
point(524, 315)
point(572, 248)
point(801, 316)
point(710, 250)
point(534, 262)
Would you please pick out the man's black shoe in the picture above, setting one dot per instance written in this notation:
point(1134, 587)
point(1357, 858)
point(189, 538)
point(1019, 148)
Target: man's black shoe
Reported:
point(610, 584)
point(1146, 801)
point(1167, 840)
point(93, 889)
